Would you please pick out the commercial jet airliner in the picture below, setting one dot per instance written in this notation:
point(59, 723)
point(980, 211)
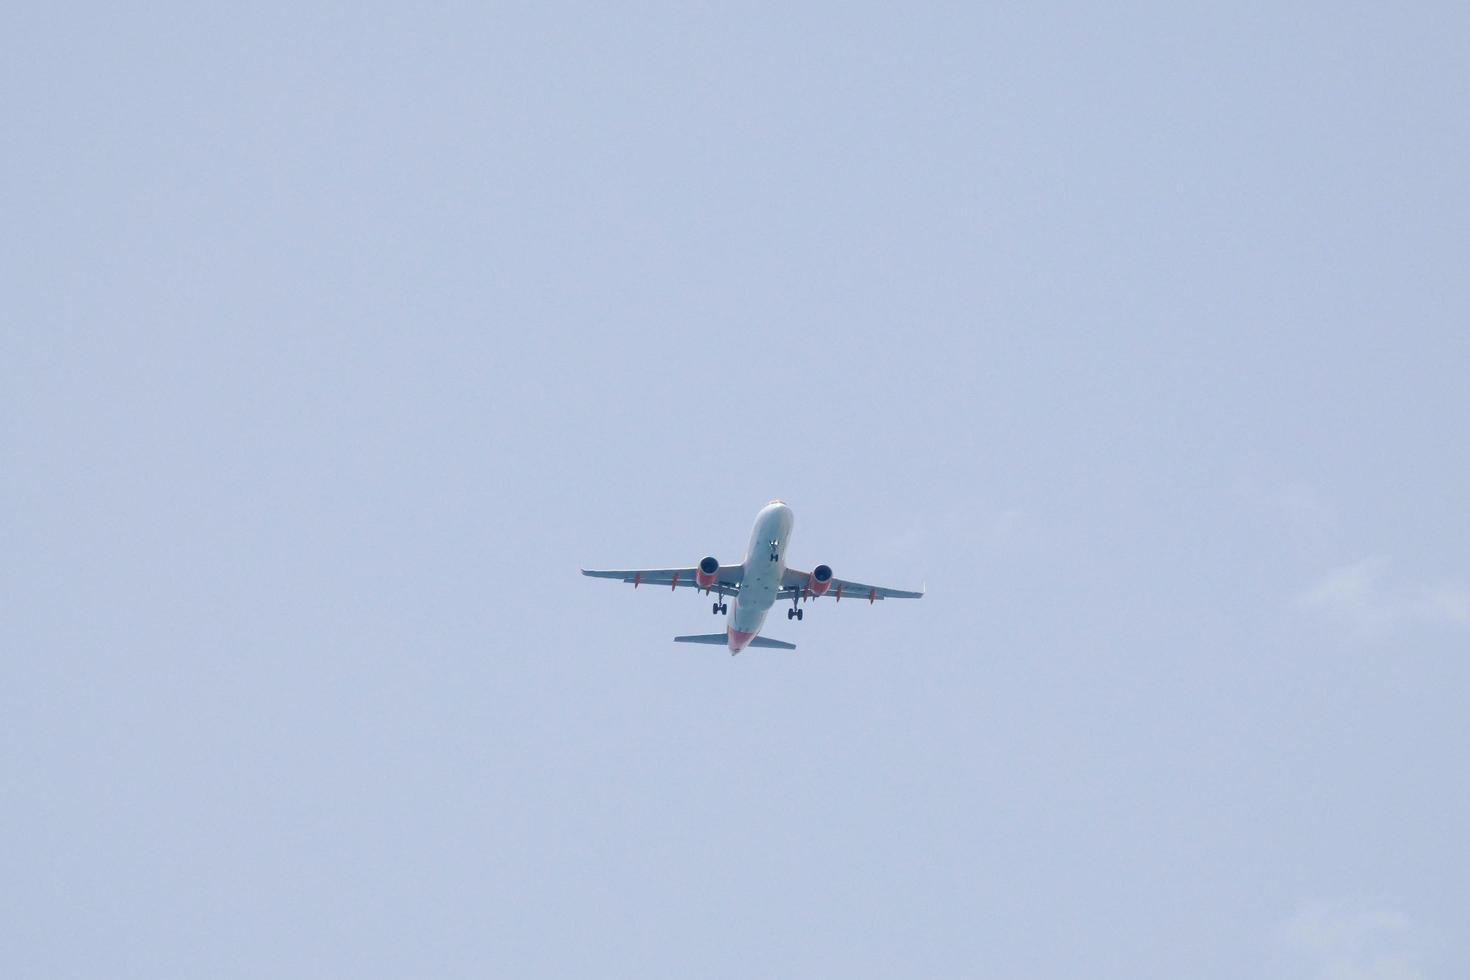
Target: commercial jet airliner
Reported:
point(756, 584)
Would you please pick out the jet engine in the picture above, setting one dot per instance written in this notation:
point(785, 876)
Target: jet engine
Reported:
point(708, 573)
point(820, 580)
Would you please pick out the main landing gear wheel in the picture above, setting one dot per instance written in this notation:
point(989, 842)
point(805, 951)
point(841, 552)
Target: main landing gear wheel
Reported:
point(794, 613)
point(719, 608)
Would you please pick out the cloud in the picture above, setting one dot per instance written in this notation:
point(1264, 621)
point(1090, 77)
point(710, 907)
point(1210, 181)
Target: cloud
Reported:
point(1355, 940)
point(1363, 596)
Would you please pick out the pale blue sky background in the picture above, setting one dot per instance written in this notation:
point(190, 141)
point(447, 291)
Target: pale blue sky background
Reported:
point(337, 337)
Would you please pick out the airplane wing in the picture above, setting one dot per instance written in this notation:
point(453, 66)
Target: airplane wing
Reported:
point(727, 583)
point(795, 580)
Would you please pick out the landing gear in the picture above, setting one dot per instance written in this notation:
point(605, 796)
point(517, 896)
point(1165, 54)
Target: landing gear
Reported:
point(794, 613)
point(719, 609)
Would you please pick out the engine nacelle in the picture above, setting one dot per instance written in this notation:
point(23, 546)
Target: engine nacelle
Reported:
point(708, 573)
point(820, 580)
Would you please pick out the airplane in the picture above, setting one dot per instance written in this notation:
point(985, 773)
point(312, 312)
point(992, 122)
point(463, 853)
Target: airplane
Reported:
point(756, 584)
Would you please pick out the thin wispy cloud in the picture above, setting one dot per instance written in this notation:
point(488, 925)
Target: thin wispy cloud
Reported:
point(1366, 596)
point(1355, 940)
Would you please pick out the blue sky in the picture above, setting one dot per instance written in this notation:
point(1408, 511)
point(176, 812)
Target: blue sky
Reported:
point(337, 338)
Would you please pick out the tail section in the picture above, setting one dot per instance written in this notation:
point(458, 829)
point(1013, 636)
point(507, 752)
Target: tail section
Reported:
point(721, 639)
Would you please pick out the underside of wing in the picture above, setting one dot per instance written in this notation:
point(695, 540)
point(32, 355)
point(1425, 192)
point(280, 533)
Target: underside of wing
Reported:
point(727, 580)
point(795, 582)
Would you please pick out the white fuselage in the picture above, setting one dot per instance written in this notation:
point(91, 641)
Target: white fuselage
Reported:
point(764, 566)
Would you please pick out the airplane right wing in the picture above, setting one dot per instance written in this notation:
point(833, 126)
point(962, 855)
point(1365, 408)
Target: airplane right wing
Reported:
point(795, 580)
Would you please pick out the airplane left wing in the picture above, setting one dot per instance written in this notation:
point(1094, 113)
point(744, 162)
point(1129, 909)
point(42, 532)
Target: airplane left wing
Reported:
point(727, 581)
point(794, 582)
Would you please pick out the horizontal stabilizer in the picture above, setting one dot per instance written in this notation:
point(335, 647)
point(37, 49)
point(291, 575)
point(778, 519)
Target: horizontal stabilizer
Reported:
point(720, 639)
